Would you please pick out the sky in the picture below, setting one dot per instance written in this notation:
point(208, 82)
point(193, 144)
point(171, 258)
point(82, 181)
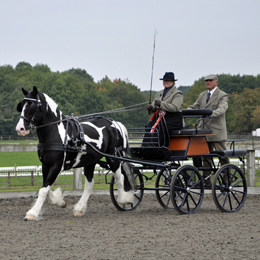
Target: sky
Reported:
point(115, 38)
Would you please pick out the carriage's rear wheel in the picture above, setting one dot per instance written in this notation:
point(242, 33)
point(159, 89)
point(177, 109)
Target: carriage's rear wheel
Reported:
point(229, 188)
point(138, 195)
point(163, 182)
point(187, 189)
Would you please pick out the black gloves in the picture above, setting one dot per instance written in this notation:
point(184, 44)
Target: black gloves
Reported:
point(150, 108)
point(157, 103)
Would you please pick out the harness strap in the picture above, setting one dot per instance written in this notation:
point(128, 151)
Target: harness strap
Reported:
point(60, 147)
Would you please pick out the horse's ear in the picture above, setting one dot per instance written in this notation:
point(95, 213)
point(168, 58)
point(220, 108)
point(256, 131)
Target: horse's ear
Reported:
point(25, 92)
point(35, 89)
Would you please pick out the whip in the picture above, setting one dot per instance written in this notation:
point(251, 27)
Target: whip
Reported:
point(155, 33)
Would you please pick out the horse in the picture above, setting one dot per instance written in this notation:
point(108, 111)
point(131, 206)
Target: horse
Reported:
point(66, 143)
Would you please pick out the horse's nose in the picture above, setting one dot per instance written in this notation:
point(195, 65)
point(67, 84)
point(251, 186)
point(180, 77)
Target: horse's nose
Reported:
point(20, 129)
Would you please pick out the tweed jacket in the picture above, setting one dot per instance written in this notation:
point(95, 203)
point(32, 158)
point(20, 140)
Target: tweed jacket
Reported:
point(172, 102)
point(219, 104)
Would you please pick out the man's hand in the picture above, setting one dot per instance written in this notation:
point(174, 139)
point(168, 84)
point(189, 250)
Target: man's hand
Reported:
point(158, 103)
point(149, 107)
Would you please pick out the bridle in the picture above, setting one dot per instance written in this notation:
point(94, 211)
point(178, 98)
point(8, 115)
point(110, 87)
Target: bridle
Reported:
point(37, 106)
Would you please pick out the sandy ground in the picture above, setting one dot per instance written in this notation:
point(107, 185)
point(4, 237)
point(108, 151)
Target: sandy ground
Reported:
point(149, 232)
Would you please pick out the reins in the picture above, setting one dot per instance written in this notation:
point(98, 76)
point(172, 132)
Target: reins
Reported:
point(117, 110)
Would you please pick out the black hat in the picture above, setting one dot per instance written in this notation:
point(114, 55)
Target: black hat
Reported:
point(169, 76)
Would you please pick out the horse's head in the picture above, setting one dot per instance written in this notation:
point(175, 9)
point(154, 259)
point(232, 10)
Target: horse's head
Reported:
point(31, 111)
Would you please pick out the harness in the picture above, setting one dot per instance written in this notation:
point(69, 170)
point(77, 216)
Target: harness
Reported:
point(76, 141)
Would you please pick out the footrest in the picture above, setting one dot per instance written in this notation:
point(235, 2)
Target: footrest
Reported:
point(229, 153)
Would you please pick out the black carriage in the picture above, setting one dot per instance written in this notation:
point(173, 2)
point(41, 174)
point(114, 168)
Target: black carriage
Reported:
point(179, 185)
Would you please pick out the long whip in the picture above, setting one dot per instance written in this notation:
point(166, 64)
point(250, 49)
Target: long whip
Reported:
point(155, 33)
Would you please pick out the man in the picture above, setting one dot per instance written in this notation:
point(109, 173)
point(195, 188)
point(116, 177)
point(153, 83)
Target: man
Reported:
point(216, 100)
point(167, 108)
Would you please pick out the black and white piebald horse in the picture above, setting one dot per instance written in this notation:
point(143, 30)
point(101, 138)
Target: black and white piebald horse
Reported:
point(65, 143)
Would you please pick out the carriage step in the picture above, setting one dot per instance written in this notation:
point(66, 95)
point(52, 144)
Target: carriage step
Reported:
point(229, 153)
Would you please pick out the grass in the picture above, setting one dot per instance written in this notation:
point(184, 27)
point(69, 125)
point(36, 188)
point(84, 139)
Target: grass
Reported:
point(64, 181)
point(19, 141)
point(24, 183)
point(11, 159)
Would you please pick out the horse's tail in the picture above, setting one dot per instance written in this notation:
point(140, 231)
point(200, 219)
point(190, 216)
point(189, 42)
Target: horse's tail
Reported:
point(126, 167)
point(127, 170)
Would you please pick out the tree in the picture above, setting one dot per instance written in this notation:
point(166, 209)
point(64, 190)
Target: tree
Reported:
point(245, 109)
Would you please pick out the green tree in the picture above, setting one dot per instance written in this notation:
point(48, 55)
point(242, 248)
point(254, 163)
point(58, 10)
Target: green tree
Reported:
point(245, 109)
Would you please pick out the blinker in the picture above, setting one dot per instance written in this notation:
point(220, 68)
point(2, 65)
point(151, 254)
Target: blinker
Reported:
point(33, 108)
point(19, 107)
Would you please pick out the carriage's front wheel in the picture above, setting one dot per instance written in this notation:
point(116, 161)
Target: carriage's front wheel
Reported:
point(138, 194)
point(162, 185)
point(187, 189)
point(230, 189)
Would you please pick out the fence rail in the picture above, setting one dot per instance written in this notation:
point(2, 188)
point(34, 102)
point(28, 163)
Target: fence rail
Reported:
point(31, 179)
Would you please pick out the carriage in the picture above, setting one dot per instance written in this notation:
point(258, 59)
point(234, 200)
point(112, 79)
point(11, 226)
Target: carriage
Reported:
point(181, 186)
point(65, 143)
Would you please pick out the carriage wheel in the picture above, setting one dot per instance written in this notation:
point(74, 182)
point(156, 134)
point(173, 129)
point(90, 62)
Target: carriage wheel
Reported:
point(187, 189)
point(138, 195)
point(163, 182)
point(229, 189)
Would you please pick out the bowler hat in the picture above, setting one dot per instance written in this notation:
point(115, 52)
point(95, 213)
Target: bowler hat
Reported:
point(169, 76)
point(211, 77)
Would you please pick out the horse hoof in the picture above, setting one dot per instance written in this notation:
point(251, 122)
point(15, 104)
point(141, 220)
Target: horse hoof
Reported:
point(77, 214)
point(29, 217)
point(64, 204)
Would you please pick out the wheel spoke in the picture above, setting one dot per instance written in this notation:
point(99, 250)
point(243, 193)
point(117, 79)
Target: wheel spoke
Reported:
point(235, 197)
point(193, 200)
point(230, 202)
point(162, 192)
point(183, 200)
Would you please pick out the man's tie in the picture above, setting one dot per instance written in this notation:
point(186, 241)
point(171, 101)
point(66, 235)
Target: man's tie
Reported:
point(208, 97)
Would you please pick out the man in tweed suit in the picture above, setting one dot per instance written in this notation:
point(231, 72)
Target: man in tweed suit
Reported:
point(167, 107)
point(216, 100)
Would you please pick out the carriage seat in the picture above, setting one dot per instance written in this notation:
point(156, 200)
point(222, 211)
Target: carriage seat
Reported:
point(194, 113)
